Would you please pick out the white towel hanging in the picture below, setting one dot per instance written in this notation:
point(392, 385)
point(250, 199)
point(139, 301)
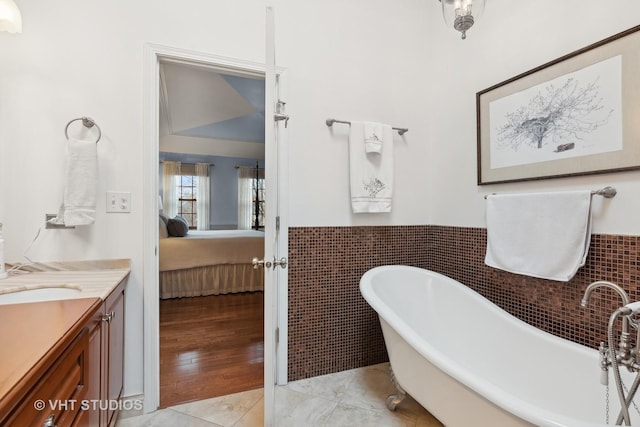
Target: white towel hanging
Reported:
point(80, 184)
point(371, 174)
point(544, 235)
point(373, 135)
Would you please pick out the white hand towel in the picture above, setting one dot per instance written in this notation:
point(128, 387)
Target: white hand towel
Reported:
point(373, 137)
point(80, 183)
point(544, 235)
point(371, 175)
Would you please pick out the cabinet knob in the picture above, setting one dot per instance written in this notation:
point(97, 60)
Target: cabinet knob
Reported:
point(108, 317)
point(50, 422)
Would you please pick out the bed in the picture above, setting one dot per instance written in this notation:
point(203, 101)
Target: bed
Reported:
point(210, 263)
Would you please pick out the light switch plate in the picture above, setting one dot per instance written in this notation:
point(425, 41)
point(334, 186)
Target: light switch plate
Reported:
point(118, 201)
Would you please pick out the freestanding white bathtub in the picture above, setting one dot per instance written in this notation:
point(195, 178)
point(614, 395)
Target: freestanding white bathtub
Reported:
point(470, 363)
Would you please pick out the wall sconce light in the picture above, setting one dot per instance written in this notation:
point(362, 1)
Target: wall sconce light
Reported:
point(10, 17)
point(462, 14)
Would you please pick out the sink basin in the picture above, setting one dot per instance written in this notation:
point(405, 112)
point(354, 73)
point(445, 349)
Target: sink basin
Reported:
point(39, 294)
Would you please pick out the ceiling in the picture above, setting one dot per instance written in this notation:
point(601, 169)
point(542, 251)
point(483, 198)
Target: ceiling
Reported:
point(214, 109)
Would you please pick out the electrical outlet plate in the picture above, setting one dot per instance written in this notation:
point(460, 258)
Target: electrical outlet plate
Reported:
point(118, 201)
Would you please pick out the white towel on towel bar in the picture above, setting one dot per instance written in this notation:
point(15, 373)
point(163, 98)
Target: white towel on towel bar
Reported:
point(544, 235)
point(371, 174)
point(80, 184)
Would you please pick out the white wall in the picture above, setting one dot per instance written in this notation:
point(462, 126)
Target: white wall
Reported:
point(390, 61)
point(514, 37)
point(352, 60)
point(356, 61)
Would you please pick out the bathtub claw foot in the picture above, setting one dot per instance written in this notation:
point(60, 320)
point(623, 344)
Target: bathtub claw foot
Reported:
point(394, 400)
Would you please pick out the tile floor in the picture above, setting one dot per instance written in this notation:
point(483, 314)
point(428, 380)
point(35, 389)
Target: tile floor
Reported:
point(349, 398)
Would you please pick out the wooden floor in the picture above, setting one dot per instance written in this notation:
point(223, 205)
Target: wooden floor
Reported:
point(210, 346)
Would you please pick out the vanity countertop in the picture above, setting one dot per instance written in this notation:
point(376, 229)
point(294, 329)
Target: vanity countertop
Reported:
point(49, 327)
point(93, 279)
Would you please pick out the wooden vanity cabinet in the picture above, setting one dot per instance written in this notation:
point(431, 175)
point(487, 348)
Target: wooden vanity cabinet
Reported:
point(106, 343)
point(64, 382)
point(46, 362)
point(69, 352)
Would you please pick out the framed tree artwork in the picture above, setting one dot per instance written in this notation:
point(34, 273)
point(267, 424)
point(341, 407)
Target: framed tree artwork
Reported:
point(576, 115)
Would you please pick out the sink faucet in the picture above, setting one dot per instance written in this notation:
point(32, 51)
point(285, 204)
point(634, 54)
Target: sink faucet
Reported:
point(604, 283)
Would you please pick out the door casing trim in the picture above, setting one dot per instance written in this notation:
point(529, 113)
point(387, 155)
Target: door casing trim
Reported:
point(153, 54)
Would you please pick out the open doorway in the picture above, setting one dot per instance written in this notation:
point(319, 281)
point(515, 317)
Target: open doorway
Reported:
point(211, 177)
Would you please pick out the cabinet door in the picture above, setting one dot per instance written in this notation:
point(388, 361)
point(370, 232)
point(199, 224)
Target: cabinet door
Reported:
point(91, 417)
point(115, 349)
point(64, 383)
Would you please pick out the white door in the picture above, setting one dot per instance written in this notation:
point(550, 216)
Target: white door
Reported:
point(273, 263)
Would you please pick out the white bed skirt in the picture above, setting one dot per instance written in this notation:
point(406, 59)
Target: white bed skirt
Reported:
point(210, 280)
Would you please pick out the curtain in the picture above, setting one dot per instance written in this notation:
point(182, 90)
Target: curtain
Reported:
point(202, 198)
point(245, 196)
point(170, 174)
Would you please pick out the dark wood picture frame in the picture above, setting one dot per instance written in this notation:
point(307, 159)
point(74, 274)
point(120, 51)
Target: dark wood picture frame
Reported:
point(576, 115)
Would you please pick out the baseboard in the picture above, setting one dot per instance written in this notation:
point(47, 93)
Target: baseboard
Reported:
point(131, 406)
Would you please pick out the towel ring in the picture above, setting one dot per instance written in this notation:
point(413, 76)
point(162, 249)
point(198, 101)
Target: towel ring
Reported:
point(87, 122)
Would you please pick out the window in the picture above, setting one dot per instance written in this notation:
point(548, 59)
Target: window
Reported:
point(251, 195)
point(187, 191)
point(258, 192)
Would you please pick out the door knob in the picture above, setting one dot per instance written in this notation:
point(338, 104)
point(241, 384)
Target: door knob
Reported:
point(260, 263)
point(282, 262)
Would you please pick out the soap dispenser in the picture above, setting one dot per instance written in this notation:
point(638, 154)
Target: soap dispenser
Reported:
point(3, 274)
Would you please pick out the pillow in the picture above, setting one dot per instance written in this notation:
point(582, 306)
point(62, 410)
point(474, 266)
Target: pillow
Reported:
point(178, 227)
point(162, 224)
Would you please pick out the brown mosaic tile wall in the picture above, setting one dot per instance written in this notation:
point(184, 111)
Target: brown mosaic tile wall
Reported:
point(548, 305)
point(331, 327)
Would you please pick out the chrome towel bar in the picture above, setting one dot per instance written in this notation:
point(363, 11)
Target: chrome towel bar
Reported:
point(330, 123)
point(606, 192)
